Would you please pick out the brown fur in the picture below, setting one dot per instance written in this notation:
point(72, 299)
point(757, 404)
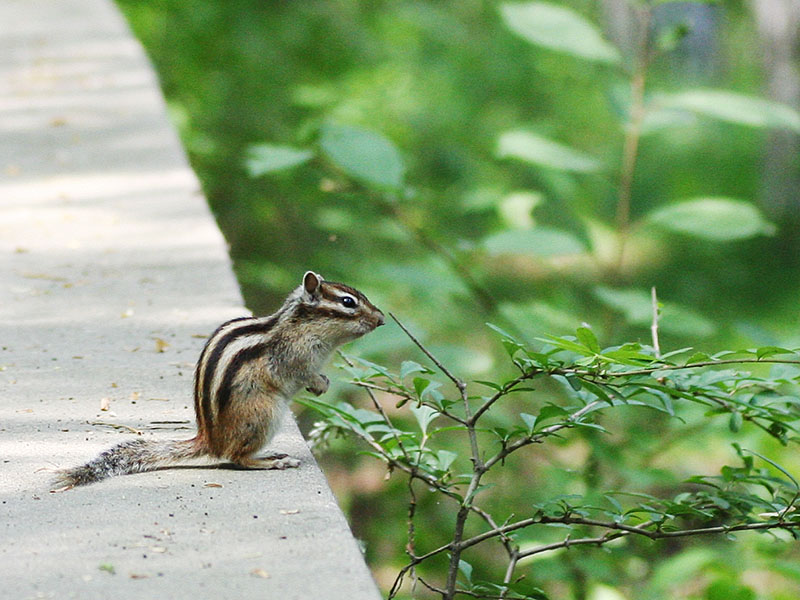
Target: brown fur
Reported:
point(247, 372)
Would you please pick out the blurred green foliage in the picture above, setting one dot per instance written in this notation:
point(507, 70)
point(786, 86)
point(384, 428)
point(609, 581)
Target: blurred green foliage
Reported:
point(463, 161)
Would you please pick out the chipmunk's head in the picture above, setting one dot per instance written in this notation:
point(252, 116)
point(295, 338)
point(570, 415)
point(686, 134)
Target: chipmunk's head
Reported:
point(341, 312)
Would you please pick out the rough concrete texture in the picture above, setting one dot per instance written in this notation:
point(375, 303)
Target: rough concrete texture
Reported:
point(111, 271)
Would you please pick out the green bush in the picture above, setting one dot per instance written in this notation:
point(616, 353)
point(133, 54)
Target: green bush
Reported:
point(463, 436)
point(466, 161)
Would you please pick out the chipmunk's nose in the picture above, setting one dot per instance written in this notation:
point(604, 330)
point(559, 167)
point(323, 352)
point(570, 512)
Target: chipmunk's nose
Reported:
point(379, 320)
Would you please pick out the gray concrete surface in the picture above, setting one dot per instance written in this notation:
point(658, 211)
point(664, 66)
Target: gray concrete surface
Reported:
point(111, 271)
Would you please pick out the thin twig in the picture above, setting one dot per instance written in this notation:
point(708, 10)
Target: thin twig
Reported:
point(478, 467)
point(665, 367)
point(483, 297)
point(539, 436)
point(618, 529)
point(411, 546)
point(599, 541)
point(514, 556)
point(654, 325)
point(504, 391)
point(406, 396)
point(456, 381)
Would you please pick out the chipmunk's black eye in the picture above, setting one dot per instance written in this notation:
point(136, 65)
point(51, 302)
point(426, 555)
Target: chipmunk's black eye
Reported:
point(348, 301)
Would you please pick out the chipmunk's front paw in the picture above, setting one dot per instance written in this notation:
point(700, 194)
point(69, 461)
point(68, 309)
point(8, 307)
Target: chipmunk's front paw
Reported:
point(319, 384)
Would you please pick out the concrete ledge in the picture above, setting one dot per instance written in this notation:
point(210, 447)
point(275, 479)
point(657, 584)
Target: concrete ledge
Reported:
point(111, 270)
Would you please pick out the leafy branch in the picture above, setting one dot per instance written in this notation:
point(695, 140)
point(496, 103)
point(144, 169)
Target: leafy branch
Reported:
point(594, 381)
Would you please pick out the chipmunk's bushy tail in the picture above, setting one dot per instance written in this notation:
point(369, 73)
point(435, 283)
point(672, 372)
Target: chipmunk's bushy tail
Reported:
point(134, 456)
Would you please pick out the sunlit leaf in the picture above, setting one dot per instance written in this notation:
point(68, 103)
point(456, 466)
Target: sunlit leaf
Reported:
point(660, 119)
point(718, 219)
point(466, 570)
point(409, 366)
point(539, 241)
point(558, 28)
point(424, 416)
point(364, 155)
point(268, 158)
point(734, 108)
point(446, 459)
point(543, 152)
point(530, 421)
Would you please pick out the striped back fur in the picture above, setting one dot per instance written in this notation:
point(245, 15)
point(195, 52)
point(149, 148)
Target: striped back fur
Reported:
point(292, 344)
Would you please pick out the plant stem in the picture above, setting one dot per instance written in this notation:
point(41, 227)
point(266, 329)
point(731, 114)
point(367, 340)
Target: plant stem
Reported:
point(630, 146)
point(654, 324)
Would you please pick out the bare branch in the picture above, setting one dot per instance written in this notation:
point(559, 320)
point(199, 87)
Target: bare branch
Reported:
point(597, 541)
point(621, 530)
point(458, 382)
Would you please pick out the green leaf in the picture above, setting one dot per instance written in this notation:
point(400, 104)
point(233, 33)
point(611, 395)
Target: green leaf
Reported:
point(598, 390)
point(566, 343)
point(558, 28)
point(409, 366)
point(376, 368)
point(424, 416)
point(587, 338)
point(425, 387)
point(614, 502)
point(735, 422)
point(364, 155)
point(717, 219)
point(538, 241)
point(776, 465)
point(466, 570)
point(550, 411)
point(530, 421)
point(490, 384)
point(502, 332)
point(543, 152)
point(574, 382)
point(445, 458)
point(734, 108)
point(767, 351)
point(268, 158)
point(697, 357)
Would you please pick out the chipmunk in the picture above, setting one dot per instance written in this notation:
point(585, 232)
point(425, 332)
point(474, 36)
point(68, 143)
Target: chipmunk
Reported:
point(247, 372)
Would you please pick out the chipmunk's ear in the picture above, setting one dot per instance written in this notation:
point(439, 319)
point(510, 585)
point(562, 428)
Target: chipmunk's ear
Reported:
point(312, 284)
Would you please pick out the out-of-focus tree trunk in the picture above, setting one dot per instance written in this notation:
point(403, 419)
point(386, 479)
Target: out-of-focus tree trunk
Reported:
point(779, 29)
